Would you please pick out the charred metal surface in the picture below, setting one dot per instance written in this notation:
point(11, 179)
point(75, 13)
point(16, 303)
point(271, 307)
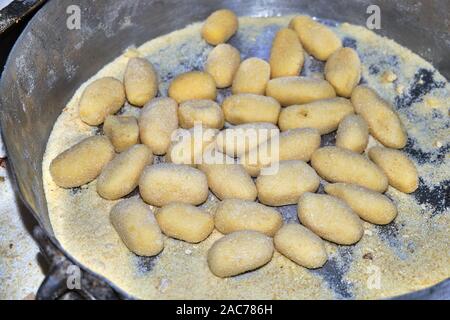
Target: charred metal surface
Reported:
point(16, 11)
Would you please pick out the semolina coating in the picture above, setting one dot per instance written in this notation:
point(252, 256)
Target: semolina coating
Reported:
point(295, 144)
point(252, 76)
point(343, 71)
point(238, 140)
point(286, 55)
point(317, 39)
point(370, 205)
point(399, 169)
point(353, 133)
point(122, 131)
point(290, 91)
point(384, 123)
point(239, 252)
point(323, 115)
point(206, 113)
point(163, 183)
point(136, 225)
point(76, 166)
point(222, 64)
point(141, 81)
point(220, 26)
point(194, 85)
point(335, 164)
point(301, 246)
point(408, 250)
point(236, 215)
point(185, 222)
point(190, 146)
point(294, 177)
point(121, 176)
point(299, 144)
point(101, 98)
point(229, 181)
point(212, 156)
point(261, 157)
point(248, 107)
point(157, 122)
point(330, 218)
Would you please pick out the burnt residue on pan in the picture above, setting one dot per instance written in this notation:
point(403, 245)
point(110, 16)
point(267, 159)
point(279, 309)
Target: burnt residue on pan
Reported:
point(423, 157)
point(333, 272)
point(423, 83)
point(144, 264)
point(436, 197)
point(349, 42)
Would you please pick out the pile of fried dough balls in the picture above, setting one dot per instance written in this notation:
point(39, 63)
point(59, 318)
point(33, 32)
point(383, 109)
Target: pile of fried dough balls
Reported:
point(266, 95)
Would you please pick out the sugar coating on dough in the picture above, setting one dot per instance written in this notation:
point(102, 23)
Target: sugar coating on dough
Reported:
point(319, 40)
point(163, 183)
point(185, 222)
point(400, 170)
point(122, 131)
point(330, 218)
point(101, 98)
point(76, 166)
point(371, 206)
point(242, 138)
point(121, 176)
point(299, 90)
point(136, 225)
point(353, 133)
point(236, 215)
point(229, 181)
point(193, 85)
point(335, 164)
point(189, 146)
point(324, 115)
point(248, 108)
point(286, 55)
point(222, 64)
point(220, 26)
point(206, 113)
point(252, 76)
point(343, 71)
point(299, 144)
point(384, 123)
point(301, 245)
point(295, 144)
point(239, 252)
point(158, 120)
point(141, 81)
point(294, 177)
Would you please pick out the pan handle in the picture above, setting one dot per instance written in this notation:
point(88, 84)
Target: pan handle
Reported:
point(54, 287)
point(66, 280)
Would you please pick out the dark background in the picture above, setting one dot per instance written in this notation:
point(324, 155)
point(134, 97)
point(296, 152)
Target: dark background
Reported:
point(13, 19)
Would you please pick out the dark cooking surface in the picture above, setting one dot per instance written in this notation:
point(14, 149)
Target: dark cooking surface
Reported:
point(13, 20)
point(17, 12)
